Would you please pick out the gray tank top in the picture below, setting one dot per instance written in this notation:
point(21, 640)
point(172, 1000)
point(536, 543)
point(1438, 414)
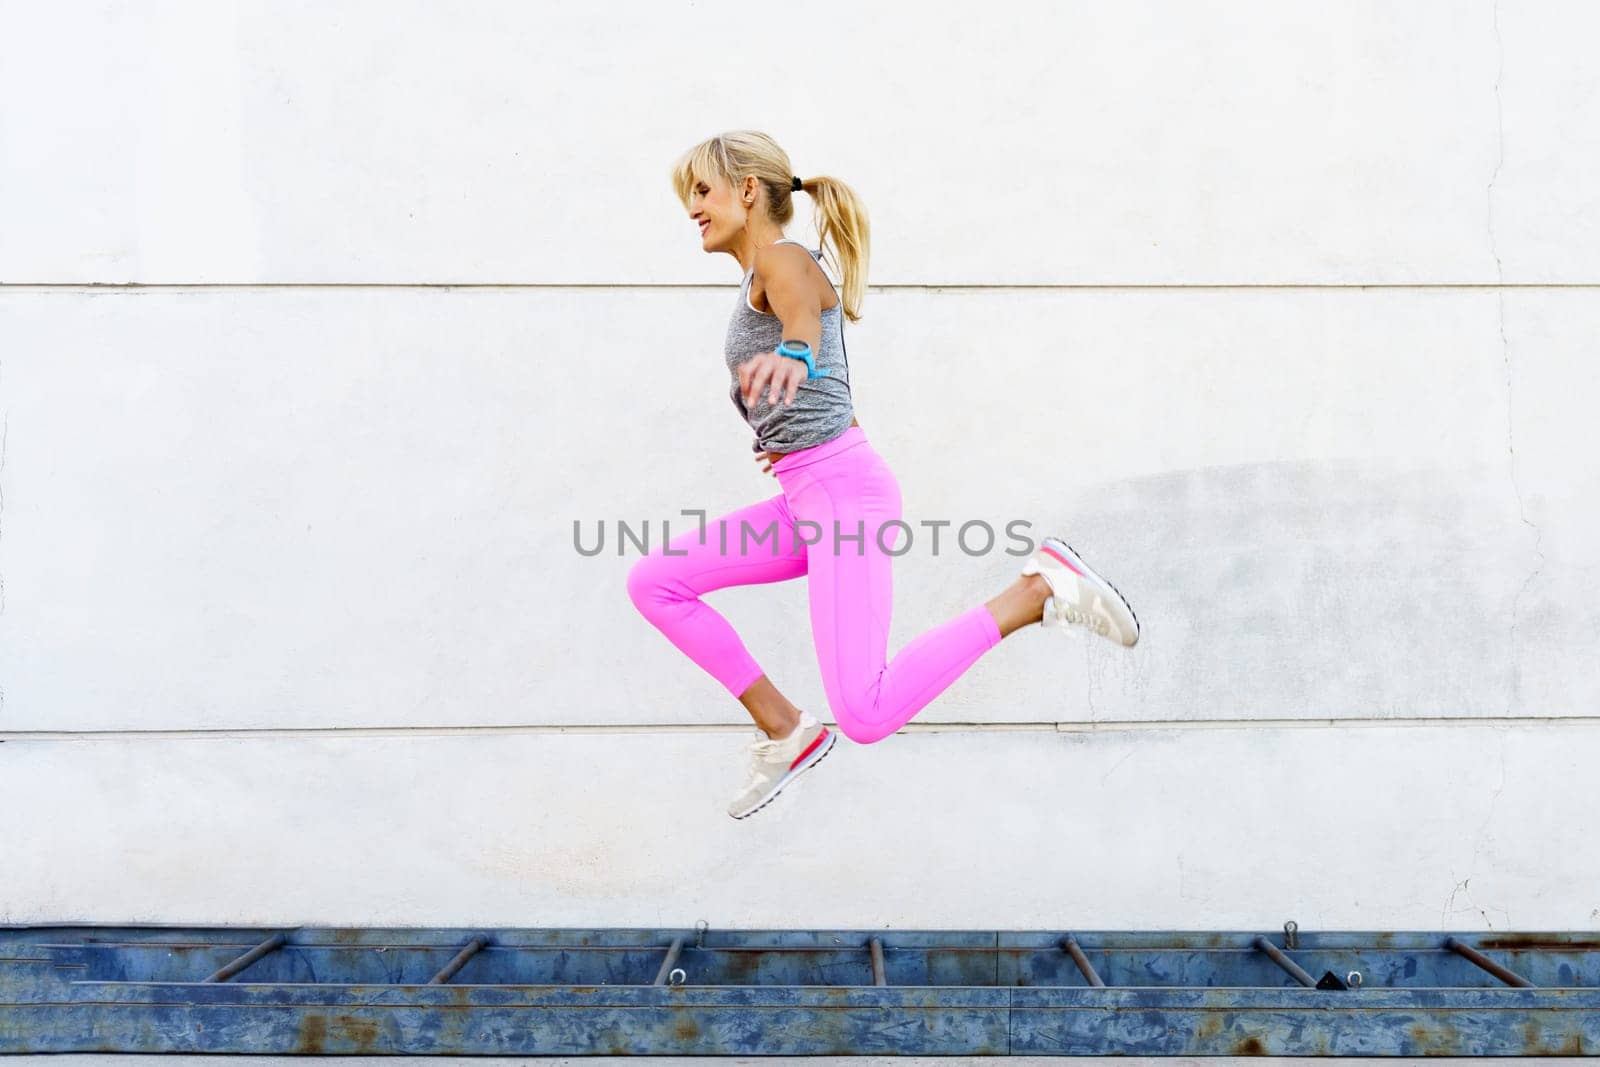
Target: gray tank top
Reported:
point(822, 408)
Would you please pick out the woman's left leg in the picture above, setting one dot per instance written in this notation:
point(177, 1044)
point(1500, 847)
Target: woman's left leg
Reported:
point(852, 597)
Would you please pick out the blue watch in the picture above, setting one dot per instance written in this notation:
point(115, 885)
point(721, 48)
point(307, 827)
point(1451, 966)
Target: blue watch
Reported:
point(801, 350)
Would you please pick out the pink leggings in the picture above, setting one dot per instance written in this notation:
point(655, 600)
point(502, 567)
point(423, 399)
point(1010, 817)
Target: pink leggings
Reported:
point(841, 485)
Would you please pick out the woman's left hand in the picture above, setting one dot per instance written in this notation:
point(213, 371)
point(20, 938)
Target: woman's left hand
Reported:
point(767, 458)
point(777, 375)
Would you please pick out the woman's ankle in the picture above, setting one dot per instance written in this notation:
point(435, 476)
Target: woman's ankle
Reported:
point(1022, 604)
point(784, 731)
point(773, 714)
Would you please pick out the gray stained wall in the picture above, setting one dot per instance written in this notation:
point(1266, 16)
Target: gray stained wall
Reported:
point(322, 326)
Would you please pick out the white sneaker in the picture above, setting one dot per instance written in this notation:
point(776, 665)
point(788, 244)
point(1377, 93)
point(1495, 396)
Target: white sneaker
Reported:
point(776, 763)
point(1081, 597)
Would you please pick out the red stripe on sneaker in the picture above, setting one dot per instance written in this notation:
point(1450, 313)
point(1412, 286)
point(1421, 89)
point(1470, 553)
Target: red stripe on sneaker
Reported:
point(810, 749)
point(1063, 559)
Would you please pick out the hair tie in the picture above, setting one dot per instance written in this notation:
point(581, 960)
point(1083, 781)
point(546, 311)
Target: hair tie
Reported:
point(797, 183)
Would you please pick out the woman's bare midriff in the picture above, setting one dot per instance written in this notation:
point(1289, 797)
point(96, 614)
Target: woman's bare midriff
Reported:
point(776, 455)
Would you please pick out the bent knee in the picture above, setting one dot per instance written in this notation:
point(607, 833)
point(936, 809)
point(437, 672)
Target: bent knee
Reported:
point(857, 727)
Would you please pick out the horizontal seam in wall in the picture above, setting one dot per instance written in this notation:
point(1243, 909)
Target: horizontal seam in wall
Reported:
point(101, 287)
point(1101, 726)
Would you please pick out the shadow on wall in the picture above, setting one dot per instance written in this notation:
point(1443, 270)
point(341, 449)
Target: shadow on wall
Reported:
point(1324, 589)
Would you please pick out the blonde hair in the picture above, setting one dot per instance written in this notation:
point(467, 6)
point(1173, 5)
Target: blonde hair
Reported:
point(841, 216)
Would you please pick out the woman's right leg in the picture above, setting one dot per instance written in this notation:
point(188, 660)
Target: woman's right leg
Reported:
point(852, 494)
point(751, 545)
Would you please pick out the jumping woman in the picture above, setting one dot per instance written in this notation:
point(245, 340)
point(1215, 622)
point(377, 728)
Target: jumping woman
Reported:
point(836, 519)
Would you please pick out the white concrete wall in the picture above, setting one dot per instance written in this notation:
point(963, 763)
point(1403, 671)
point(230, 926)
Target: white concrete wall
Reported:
point(322, 324)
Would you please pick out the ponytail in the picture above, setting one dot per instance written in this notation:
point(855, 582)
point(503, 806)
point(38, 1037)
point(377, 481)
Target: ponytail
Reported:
point(842, 221)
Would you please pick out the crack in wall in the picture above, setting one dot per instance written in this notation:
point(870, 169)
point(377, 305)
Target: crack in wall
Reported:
point(1493, 797)
point(1088, 680)
point(1477, 847)
point(1483, 830)
point(1106, 776)
point(1514, 686)
point(5, 430)
point(1461, 887)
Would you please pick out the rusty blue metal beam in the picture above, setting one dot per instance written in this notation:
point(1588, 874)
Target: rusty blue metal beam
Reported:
point(698, 1020)
point(790, 992)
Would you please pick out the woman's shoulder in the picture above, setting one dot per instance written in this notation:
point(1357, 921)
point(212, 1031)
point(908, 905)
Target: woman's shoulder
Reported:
point(798, 261)
point(780, 252)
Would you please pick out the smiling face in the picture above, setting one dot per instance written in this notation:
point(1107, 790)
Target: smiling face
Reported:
point(715, 208)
